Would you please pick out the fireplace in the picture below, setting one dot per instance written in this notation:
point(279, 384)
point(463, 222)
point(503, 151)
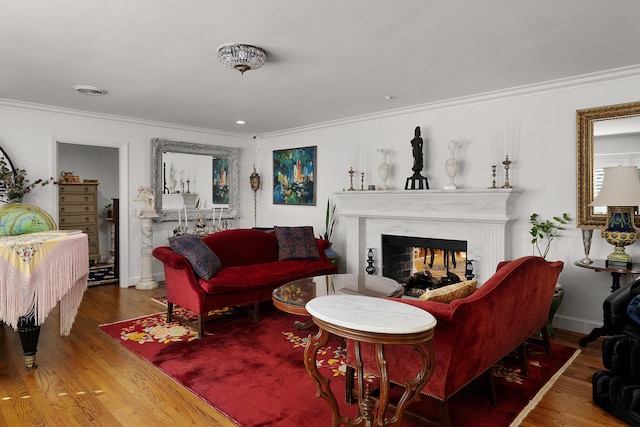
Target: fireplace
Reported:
point(481, 218)
point(422, 263)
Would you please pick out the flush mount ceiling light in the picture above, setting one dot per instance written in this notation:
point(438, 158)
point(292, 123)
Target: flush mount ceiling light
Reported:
point(90, 90)
point(242, 57)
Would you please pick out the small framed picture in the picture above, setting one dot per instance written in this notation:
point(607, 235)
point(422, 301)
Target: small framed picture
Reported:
point(294, 171)
point(75, 178)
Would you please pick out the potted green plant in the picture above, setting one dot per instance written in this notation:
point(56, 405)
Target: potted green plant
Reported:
point(329, 223)
point(543, 232)
point(109, 209)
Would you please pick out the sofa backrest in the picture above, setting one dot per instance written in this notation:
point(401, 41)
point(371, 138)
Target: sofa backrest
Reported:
point(243, 246)
point(473, 333)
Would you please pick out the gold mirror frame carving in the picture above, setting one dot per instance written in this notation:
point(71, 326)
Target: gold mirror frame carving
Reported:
point(585, 120)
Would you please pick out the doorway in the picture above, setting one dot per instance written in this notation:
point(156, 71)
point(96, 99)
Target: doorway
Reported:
point(104, 163)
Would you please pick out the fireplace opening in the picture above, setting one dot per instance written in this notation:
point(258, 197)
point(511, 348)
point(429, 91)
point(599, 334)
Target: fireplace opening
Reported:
point(421, 263)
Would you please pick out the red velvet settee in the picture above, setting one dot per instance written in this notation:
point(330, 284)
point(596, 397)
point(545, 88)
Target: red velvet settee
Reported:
point(475, 332)
point(250, 272)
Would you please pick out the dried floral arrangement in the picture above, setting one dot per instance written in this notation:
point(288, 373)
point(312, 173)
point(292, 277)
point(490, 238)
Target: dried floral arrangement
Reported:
point(15, 182)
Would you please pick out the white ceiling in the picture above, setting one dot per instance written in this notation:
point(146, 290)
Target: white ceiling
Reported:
point(326, 60)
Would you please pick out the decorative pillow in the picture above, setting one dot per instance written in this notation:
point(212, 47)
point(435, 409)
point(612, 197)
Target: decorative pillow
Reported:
point(633, 309)
point(203, 260)
point(449, 293)
point(296, 243)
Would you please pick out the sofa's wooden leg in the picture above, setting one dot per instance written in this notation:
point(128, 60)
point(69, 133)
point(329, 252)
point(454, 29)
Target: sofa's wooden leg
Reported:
point(544, 333)
point(256, 311)
point(491, 385)
point(523, 360)
point(169, 311)
point(443, 413)
point(200, 325)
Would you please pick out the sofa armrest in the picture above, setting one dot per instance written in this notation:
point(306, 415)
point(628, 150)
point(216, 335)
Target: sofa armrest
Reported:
point(170, 258)
point(323, 245)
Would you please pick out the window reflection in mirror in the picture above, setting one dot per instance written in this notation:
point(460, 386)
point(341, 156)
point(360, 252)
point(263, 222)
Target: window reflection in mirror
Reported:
point(197, 178)
point(615, 143)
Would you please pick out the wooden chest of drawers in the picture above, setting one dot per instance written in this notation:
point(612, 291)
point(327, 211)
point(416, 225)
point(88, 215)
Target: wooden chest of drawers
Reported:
point(78, 210)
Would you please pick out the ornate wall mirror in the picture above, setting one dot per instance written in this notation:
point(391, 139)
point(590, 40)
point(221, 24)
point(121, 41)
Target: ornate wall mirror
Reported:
point(198, 179)
point(606, 136)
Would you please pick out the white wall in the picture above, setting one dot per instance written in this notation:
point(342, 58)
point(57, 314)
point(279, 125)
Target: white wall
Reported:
point(28, 134)
point(542, 127)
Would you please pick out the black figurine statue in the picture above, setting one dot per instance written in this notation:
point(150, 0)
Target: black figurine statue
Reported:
point(417, 144)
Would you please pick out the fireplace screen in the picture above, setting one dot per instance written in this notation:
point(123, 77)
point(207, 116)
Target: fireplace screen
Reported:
point(424, 263)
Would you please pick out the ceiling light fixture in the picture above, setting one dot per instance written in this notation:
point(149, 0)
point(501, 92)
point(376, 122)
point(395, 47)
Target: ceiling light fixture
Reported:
point(90, 90)
point(241, 122)
point(242, 57)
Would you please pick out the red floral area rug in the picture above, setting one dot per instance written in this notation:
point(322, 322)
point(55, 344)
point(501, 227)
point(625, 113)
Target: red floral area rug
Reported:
point(254, 372)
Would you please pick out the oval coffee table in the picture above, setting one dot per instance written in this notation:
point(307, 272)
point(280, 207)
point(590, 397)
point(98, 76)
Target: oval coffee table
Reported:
point(379, 322)
point(292, 297)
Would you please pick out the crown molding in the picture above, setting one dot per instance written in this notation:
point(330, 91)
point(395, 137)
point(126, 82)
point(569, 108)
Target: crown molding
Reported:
point(43, 108)
point(584, 80)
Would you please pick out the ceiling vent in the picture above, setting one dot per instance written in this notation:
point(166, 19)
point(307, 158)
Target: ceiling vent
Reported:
point(90, 90)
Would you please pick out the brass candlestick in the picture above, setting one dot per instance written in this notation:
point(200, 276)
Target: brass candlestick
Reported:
point(362, 181)
point(493, 174)
point(351, 172)
point(507, 164)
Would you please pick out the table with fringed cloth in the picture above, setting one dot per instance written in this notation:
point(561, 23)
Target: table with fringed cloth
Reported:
point(38, 271)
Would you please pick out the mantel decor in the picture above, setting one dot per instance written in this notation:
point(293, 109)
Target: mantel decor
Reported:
point(417, 144)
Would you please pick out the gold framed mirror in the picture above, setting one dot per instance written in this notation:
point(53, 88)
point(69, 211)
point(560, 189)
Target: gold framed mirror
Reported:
point(601, 123)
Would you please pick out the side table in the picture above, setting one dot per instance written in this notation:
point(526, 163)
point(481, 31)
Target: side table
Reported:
point(380, 322)
point(616, 273)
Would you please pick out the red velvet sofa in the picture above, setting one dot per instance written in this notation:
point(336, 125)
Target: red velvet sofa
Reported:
point(475, 332)
point(250, 272)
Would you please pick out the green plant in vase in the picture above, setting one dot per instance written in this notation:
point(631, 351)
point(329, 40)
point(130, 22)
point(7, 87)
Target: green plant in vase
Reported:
point(548, 230)
point(329, 224)
point(543, 232)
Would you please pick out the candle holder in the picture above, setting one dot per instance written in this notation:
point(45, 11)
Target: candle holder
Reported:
point(493, 174)
point(351, 172)
point(507, 165)
point(370, 269)
point(361, 181)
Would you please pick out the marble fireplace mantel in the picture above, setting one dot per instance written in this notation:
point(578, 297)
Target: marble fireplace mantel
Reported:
point(481, 217)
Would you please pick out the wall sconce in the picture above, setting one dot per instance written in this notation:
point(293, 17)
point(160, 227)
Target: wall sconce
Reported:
point(620, 192)
point(254, 179)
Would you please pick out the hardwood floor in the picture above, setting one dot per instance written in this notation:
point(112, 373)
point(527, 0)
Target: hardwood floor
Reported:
point(89, 379)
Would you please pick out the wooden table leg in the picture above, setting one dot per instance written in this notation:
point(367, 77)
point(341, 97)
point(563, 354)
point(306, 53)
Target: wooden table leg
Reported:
point(323, 385)
point(413, 387)
point(29, 335)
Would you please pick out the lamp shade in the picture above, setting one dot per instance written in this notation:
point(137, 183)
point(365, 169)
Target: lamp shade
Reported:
point(620, 187)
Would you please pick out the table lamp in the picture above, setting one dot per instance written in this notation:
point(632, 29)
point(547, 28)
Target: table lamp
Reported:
point(620, 192)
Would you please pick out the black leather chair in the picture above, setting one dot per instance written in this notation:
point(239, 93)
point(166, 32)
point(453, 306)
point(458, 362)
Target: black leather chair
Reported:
point(614, 310)
point(616, 319)
point(617, 389)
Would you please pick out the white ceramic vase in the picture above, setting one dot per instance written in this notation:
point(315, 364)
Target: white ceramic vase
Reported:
point(451, 166)
point(384, 170)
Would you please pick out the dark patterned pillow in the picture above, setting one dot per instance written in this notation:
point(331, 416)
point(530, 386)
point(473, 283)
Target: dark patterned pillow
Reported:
point(296, 243)
point(203, 260)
